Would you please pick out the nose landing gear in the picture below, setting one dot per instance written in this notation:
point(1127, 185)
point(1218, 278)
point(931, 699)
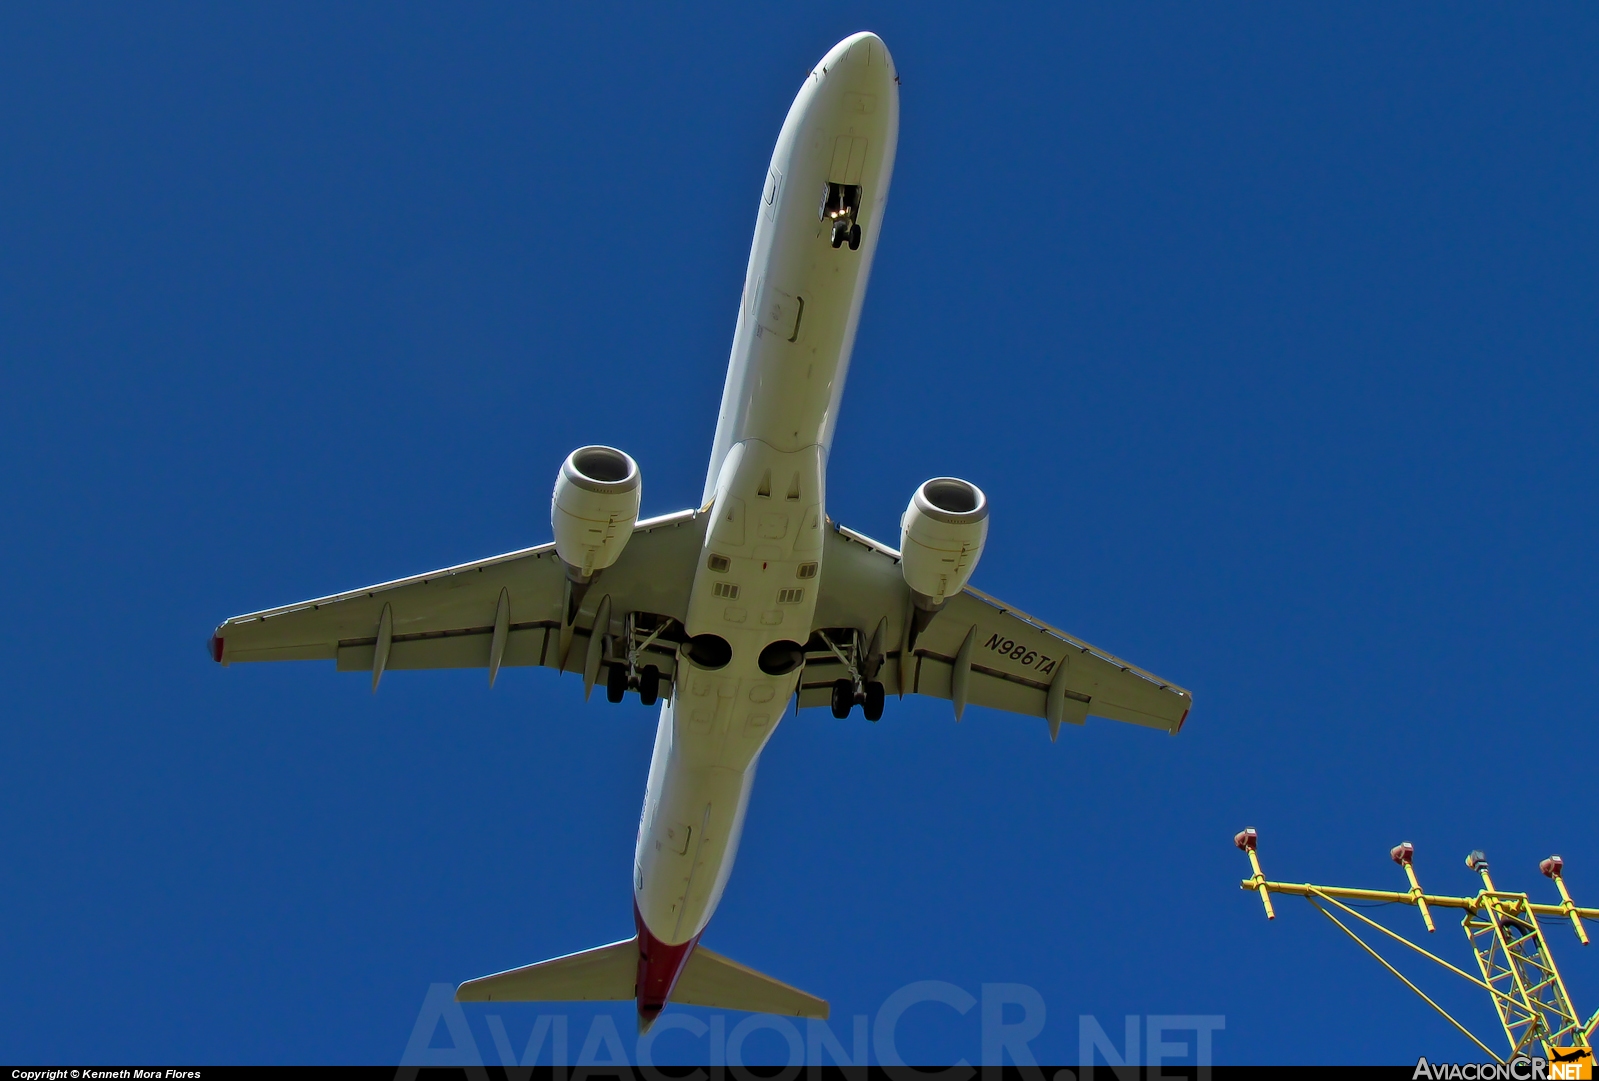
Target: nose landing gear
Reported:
point(841, 204)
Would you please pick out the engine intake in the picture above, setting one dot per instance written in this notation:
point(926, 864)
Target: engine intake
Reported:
point(941, 538)
point(594, 509)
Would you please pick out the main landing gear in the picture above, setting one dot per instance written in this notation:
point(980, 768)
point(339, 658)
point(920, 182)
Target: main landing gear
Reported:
point(870, 697)
point(647, 683)
point(862, 662)
point(624, 670)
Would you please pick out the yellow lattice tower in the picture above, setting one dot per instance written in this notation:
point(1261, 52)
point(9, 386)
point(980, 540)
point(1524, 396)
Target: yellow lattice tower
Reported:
point(1518, 970)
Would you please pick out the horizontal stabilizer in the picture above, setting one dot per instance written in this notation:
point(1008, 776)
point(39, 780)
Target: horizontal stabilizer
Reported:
point(602, 974)
point(709, 979)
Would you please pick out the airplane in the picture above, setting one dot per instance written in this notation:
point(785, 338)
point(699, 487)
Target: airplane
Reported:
point(727, 612)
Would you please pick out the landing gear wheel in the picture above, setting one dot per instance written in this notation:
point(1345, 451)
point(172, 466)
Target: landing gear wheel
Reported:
point(615, 683)
point(872, 708)
point(649, 685)
point(843, 698)
point(854, 238)
point(841, 232)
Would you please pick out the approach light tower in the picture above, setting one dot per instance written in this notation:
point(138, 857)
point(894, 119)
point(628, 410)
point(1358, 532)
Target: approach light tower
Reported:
point(1518, 971)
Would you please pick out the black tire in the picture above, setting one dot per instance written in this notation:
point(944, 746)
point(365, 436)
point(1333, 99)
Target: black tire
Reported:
point(615, 683)
point(840, 233)
point(649, 685)
point(855, 238)
point(872, 708)
point(843, 698)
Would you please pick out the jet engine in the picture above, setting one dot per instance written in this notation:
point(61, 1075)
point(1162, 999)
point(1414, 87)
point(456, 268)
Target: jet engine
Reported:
point(941, 538)
point(594, 508)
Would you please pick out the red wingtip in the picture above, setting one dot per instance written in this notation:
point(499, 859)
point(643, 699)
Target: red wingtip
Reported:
point(216, 648)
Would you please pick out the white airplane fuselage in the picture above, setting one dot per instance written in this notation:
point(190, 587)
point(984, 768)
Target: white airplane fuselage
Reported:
point(756, 580)
point(729, 626)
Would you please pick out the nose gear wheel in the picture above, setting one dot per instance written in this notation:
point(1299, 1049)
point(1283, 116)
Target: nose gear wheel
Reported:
point(841, 204)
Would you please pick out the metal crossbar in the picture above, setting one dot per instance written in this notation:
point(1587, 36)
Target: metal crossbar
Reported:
point(1518, 970)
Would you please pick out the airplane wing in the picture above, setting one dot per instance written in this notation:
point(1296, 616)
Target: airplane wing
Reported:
point(506, 610)
point(976, 650)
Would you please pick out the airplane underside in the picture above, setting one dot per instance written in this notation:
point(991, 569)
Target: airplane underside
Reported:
point(732, 613)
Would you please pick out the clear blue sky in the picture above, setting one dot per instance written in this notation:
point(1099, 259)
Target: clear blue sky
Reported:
point(1270, 333)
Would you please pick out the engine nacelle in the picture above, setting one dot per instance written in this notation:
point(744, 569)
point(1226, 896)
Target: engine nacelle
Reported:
point(594, 508)
point(941, 538)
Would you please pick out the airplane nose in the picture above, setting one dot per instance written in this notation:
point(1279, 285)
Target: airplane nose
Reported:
point(863, 53)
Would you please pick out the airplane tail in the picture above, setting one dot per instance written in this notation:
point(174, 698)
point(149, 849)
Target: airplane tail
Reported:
point(601, 974)
point(610, 973)
point(721, 983)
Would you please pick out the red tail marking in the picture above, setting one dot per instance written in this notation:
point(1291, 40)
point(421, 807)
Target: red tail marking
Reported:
point(659, 966)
